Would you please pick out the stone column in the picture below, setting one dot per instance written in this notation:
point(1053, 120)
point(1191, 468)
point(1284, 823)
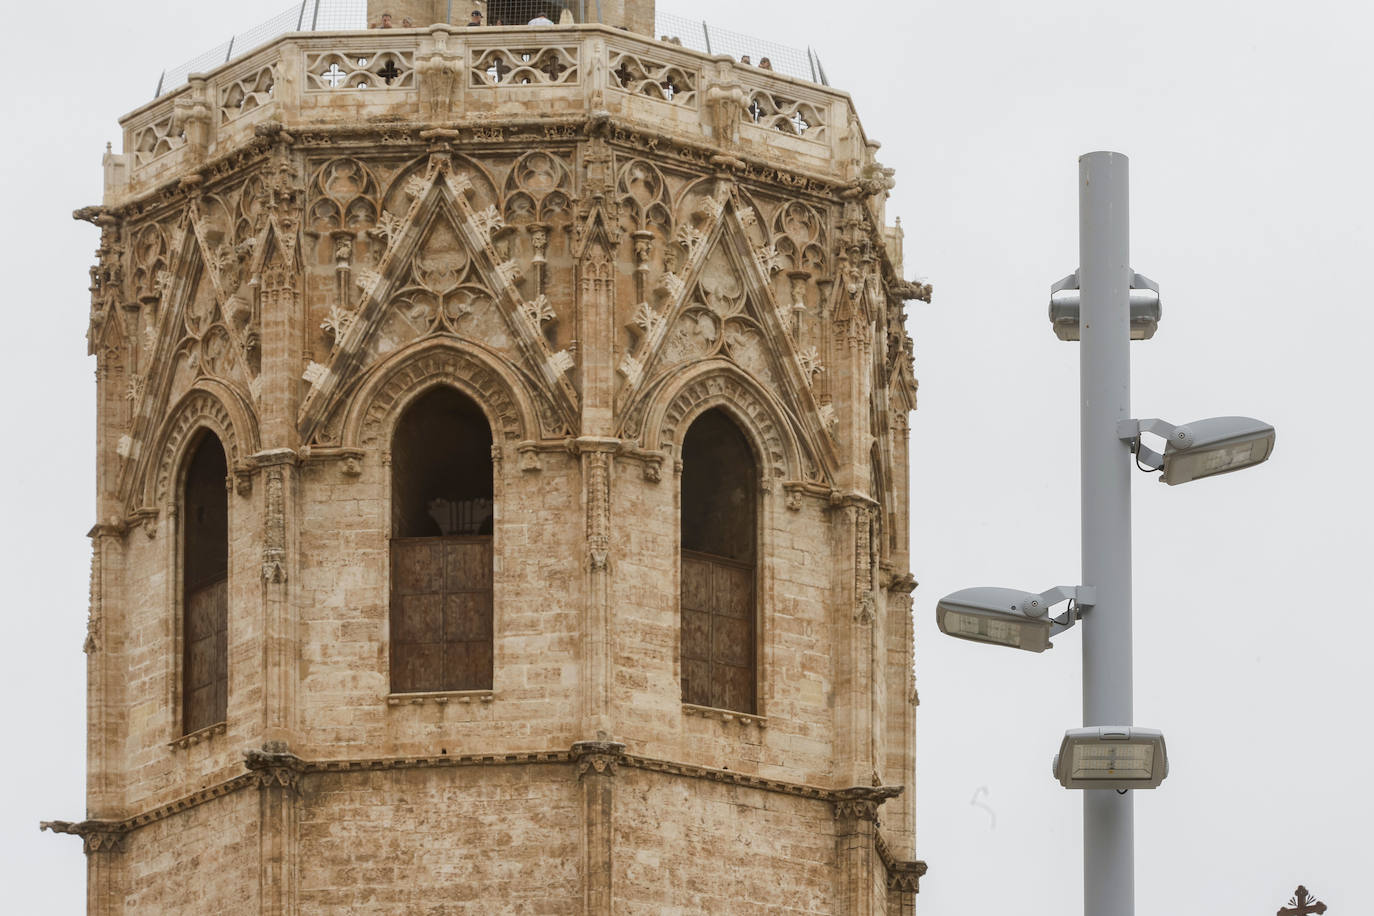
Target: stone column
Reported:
point(860, 870)
point(279, 649)
point(103, 843)
point(595, 766)
point(597, 460)
point(278, 778)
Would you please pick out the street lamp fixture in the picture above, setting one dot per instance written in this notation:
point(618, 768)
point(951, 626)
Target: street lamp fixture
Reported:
point(1117, 757)
point(1009, 616)
point(1144, 306)
point(1200, 449)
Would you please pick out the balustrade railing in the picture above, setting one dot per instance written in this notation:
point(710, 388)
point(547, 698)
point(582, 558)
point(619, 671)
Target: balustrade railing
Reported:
point(351, 15)
point(338, 78)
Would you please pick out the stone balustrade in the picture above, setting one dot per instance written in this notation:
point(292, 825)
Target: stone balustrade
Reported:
point(480, 80)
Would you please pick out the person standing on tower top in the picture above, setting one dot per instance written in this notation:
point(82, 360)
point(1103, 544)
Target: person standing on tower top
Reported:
point(476, 18)
point(541, 19)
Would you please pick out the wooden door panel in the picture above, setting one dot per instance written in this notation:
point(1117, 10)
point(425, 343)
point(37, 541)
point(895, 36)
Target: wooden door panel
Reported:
point(732, 688)
point(417, 567)
point(441, 614)
point(732, 591)
point(417, 619)
point(696, 584)
point(717, 635)
point(696, 681)
point(731, 642)
point(467, 616)
point(467, 565)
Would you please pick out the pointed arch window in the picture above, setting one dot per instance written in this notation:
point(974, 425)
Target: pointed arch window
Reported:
point(719, 547)
point(441, 547)
point(205, 587)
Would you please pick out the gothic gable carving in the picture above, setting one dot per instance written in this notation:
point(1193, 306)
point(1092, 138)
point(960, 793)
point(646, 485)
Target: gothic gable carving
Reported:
point(722, 306)
point(440, 275)
point(193, 345)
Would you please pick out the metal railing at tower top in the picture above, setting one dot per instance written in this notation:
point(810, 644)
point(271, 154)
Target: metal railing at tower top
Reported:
point(347, 15)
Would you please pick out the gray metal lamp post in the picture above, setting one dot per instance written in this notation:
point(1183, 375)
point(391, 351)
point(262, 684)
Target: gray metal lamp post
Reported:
point(1105, 305)
point(1104, 380)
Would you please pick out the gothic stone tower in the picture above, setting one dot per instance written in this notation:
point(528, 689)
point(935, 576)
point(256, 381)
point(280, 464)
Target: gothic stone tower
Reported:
point(502, 483)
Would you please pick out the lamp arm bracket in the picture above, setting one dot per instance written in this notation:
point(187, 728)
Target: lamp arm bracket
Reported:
point(1082, 595)
point(1180, 437)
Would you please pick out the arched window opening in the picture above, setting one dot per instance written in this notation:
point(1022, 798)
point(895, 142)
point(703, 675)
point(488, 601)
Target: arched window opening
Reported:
point(719, 543)
point(205, 588)
point(441, 550)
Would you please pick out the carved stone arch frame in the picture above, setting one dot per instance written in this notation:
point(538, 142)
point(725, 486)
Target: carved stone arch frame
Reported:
point(210, 406)
point(720, 383)
point(777, 451)
point(372, 413)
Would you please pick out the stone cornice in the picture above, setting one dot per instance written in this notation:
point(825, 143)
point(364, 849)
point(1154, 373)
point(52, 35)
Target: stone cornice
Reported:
point(901, 875)
point(277, 768)
point(862, 802)
point(482, 131)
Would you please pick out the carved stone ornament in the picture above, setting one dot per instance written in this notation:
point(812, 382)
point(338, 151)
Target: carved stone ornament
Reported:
point(862, 802)
point(902, 876)
point(598, 757)
point(96, 836)
point(274, 541)
point(274, 767)
point(598, 508)
point(867, 608)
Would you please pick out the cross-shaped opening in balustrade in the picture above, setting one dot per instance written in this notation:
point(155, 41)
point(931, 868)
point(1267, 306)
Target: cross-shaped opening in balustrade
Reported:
point(389, 71)
point(624, 74)
point(755, 110)
point(334, 76)
point(799, 123)
point(498, 70)
point(553, 67)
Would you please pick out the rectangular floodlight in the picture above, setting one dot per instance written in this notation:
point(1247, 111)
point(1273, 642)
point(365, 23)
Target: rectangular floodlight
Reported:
point(991, 615)
point(1111, 757)
point(1220, 445)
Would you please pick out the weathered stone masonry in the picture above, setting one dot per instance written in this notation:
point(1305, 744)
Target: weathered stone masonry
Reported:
point(288, 264)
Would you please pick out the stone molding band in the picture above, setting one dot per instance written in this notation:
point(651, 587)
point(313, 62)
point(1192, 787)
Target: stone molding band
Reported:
point(274, 767)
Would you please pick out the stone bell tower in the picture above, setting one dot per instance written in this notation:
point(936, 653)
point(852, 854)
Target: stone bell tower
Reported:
point(502, 487)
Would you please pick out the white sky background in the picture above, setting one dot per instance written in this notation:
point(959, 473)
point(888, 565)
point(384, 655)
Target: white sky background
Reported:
point(1249, 131)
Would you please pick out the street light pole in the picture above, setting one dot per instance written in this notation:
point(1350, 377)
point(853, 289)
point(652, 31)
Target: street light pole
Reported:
point(1105, 400)
point(1103, 305)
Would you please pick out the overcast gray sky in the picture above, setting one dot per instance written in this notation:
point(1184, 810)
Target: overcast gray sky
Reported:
point(1249, 131)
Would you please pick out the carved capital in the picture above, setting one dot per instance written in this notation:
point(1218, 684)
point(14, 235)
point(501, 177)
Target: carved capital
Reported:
point(862, 802)
point(96, 836)
point(529, 456)
point(274, 767)
point(904, 584)
point(599, 758)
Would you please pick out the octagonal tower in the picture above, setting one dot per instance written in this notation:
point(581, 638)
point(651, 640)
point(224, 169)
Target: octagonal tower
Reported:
point(558, 383)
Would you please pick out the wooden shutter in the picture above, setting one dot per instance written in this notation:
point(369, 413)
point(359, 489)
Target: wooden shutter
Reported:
point(441, 614)
point(205, 678)
point(717, 607)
